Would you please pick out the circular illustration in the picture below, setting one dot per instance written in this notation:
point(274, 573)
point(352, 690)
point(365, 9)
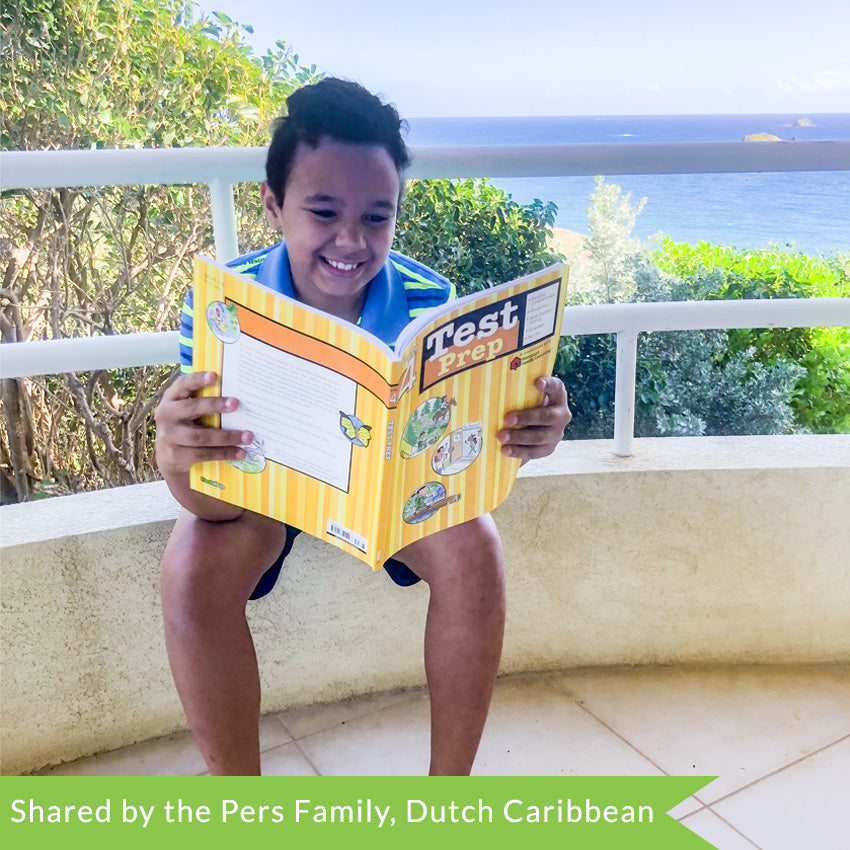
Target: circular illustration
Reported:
point(426, 426)
point(425, 502)
point(222, 320)
point(458, 450)
point(254, 460)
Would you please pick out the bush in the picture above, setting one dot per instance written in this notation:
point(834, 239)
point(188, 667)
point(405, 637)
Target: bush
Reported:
point(83, 262)
point(473, 233)
point(693, 383)
point(821, 394)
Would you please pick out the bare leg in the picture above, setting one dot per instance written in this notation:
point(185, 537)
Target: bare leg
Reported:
point(463, 635)
point(208, 572)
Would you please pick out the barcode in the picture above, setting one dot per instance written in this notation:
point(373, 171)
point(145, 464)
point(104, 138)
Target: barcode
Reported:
point(347, 535)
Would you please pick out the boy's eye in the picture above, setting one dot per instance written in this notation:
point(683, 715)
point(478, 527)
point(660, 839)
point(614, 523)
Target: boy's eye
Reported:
point(323, 213)
point(377, 218)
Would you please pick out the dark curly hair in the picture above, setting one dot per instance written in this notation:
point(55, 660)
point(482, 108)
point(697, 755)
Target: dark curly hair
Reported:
point(336, 109)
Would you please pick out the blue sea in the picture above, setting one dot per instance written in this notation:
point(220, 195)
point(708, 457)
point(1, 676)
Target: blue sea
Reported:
point(808, 211)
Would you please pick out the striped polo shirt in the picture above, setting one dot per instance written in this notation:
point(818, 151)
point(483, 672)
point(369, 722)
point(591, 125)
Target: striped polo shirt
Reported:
point(402, 290)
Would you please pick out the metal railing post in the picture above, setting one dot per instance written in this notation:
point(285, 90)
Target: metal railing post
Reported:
point(224, 220)
point(624, 393)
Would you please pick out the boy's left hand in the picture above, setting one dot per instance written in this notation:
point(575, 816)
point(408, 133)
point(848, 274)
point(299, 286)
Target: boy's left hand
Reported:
point(535, 431)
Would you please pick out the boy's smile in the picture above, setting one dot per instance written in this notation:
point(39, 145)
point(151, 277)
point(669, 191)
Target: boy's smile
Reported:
point(338, 219)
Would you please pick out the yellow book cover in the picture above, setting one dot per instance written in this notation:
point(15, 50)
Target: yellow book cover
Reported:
point(357, 444)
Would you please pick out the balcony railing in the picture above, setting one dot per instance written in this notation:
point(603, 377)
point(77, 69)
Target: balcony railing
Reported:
point(220, 168)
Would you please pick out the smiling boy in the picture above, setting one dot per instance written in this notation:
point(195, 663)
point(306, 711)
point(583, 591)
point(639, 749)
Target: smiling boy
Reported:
point(334, 181)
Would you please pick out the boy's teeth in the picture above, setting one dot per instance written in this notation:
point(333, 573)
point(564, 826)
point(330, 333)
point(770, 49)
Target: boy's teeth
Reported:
point(343, 267)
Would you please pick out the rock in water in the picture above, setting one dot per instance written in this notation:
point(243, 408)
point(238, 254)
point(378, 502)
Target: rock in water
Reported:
point(802, 121)
point(762, 137)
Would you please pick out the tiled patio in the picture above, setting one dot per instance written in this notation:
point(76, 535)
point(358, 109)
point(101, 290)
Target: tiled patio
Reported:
point(778, 738)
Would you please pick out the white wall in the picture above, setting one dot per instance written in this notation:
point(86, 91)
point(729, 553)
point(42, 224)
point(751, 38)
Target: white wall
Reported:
point(703, 550)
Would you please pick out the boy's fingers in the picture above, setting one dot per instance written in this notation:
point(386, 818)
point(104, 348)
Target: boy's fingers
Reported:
point(189, 437)
point(202, 453)
point(527, 452)
point(183, 460)
point(536, 417)
point(186, 445)
point(186, 385)
point(535, 431)
point(192, 408)
point(197, 406)
point(553, 389)
point(553, 410)
point(521, 437)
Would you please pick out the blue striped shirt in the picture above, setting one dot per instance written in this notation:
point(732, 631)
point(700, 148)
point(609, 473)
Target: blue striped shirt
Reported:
point(401, 291)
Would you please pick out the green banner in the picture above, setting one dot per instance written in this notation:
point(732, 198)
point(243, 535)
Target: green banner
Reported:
point(408, 812)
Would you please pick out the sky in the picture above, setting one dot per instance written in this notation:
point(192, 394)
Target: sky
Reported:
point(447, 58)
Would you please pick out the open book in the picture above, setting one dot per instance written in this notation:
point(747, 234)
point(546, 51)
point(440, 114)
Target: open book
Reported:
point(357, 444)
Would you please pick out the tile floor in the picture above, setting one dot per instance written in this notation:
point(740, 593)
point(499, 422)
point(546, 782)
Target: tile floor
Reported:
point(778, 738)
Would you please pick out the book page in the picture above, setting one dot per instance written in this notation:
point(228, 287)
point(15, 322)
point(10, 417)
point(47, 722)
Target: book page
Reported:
point(293, 408)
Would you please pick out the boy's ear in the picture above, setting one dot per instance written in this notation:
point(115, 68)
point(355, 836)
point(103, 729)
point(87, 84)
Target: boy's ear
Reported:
point(271, 208)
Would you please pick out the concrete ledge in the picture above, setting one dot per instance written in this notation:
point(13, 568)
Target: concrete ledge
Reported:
point(694, 550)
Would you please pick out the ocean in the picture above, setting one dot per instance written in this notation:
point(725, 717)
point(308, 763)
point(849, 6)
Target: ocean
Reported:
point(806, 211)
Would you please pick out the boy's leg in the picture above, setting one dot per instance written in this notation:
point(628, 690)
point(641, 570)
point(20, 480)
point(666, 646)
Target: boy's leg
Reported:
point(464, 568)
point(208, 572)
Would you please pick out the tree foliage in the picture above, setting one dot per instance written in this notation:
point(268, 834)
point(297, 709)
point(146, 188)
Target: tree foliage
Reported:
point(760, 381)
point(81, 262)
point(135, 73)
point(821, 394)
point(473, 233)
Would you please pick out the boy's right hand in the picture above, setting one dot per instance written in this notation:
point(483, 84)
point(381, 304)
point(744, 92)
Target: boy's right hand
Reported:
point(180, 438)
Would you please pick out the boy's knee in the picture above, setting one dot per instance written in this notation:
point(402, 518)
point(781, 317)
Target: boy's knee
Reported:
point(470, 552)
point(218, 561)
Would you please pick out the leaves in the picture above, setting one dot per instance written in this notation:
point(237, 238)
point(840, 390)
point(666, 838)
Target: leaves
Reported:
point(821, 395)
point(113, 73)
point(473, 233)
point(758, 381)
point(151, 63)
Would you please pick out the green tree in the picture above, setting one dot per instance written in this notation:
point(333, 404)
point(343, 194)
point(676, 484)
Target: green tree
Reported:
point(688, 383)
point(610, 246)
point(821, 394)
point(81, 262)
point(473, 233)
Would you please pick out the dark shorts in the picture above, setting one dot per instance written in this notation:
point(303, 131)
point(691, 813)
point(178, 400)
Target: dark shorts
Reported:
point(400, 573)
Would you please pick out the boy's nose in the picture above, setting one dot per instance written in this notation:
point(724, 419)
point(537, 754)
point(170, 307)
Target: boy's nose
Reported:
point(350, 237)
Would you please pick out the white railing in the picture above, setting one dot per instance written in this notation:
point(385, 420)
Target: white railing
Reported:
point(220, 168)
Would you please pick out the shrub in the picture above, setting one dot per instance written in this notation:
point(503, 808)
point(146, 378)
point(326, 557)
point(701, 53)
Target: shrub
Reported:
point(687, 383)
point(82, 262)
point(821, 394)
point(473, 233)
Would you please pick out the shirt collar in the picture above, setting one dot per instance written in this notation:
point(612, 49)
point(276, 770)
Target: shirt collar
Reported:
point(385, 312)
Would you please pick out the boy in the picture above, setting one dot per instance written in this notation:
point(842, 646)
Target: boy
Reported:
point(334, 172)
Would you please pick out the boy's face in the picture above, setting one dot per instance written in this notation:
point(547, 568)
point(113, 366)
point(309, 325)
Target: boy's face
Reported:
point(338, 218)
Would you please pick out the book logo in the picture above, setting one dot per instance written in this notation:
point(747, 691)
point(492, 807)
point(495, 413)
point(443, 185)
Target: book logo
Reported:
point(483, 335)
point(501, 328)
